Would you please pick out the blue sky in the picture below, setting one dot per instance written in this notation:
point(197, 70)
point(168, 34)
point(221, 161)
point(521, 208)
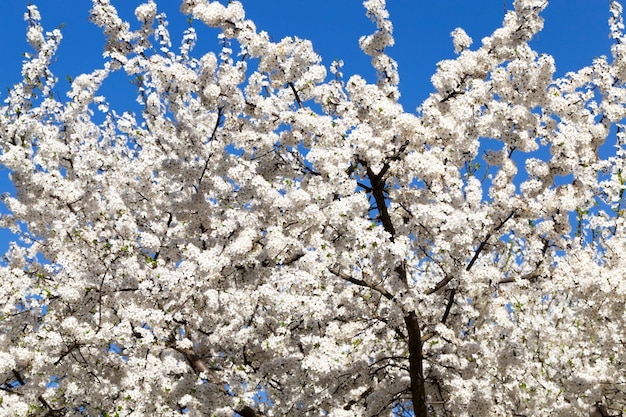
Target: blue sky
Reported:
point(575, 32)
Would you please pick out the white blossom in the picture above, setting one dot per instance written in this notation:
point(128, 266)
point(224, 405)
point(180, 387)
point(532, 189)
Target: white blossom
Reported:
point(461, 40)
point(256, 226)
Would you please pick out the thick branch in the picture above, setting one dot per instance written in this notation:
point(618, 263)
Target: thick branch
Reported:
point(416, 357)
point(246, 412)
point(441, 284)
point(295, 93)
point(378, 192)
point(448, 306)
point(18, 377)
point(418, 390)
point(194, 360)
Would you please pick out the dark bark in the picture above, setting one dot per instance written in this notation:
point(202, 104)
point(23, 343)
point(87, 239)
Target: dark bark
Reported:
point(416, 357)
point(246, 412)
point(418, 389)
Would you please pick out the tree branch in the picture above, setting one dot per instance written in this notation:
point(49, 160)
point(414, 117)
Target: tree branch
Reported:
point(486, 239)
point(440, 284)
point(295, 92)
point(418, 389)
point(381, 290)
point(197, 364)
point(449, 305)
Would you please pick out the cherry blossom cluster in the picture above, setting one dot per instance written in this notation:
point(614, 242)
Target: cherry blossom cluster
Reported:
point(260, 226)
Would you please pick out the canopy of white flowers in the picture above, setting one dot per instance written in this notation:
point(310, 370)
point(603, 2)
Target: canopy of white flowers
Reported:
point(265, 238)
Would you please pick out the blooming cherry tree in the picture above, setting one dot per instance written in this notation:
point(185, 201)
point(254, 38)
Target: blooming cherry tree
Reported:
point(265, 239)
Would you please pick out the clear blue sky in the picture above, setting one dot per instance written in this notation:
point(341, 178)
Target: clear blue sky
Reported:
point(575, 32)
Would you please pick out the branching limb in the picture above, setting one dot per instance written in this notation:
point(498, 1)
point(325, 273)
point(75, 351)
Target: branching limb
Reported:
point(381, 290)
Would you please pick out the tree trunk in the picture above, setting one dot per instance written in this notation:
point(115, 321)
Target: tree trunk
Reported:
point(418, 391)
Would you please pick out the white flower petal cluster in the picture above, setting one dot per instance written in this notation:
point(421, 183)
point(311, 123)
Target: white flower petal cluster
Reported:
point(259, 239)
